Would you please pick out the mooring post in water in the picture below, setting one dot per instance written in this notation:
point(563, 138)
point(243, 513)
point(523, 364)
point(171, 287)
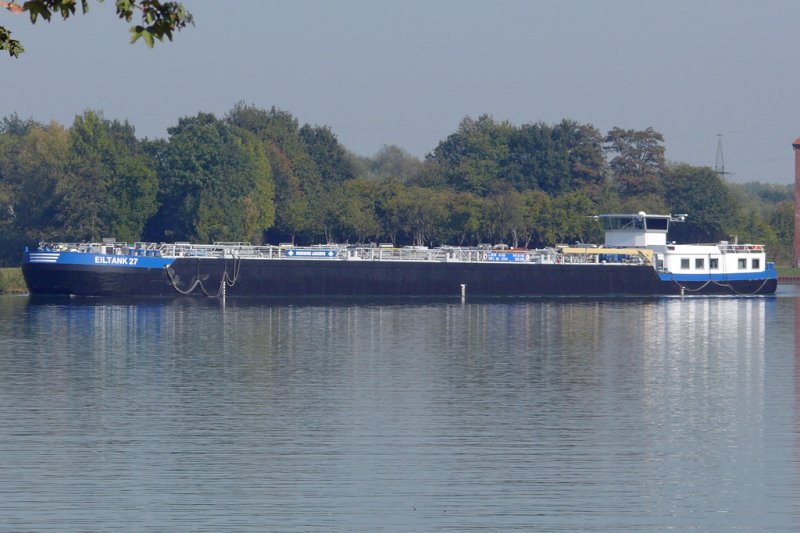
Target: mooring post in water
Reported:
point(463, 292)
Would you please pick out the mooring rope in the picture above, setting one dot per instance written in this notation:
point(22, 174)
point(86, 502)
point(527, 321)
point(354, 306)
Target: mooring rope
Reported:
point(726, 285)
point(684, 288)
point(226, 279)
point(731, 287)
point(175, 284)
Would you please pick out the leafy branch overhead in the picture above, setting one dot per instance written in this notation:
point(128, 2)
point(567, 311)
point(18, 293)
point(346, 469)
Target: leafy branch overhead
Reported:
point(157, 19)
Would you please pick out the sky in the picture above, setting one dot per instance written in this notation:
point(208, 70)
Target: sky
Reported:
point(405, 73)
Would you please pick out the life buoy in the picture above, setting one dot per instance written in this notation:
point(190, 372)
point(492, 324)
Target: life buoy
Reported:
point(485, 257)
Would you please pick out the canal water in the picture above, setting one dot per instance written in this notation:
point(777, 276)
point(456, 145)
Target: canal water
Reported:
point(546, 415)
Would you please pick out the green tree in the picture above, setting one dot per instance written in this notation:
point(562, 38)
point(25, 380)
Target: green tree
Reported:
point(536, 213)
point(394, 162)
point(471, 158)
point(465, 217)
point(569, 220)
point(32, 163)
point(354, 205)
point(557, 159)
point(700, 193)
point(158, 19)
point(781, 220)
point(419, 213)
point(752, 228)
point(387, 209)
point(109, 188)
point(505, 215)
point(534, 161)
point(583, 145)
point(9, 238)
point(291, 205)
point(37, 169)
point(298, 183)
point(334, 162)
point(15, 126)
point(216, 183)
point(638, 160)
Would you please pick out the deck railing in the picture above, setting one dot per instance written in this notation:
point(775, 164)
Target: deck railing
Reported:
point(323, 252)
point(344, 252)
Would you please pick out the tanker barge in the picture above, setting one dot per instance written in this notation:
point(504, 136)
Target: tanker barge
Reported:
point(636, 259)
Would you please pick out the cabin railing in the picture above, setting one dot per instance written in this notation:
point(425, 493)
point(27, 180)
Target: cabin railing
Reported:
point(727, 248)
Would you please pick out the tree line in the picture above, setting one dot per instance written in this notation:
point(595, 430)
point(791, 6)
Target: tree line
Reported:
point(257, 175)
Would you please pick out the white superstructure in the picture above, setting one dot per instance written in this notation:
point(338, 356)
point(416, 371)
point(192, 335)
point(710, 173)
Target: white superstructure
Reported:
point(650, 231)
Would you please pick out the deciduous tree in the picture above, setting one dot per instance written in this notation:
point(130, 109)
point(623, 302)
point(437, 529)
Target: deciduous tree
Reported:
point(110, 188)
point(297, 179)
point(472, 157)
point(638, 160)
point(334, 162)
point(394, 162)
point(216, 183)
point(158, 19)
point(700, 193)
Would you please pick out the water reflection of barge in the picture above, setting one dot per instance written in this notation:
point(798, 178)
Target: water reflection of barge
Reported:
point(636, 259)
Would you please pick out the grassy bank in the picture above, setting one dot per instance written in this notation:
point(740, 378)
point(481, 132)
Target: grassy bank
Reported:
point(788, 272)
point(11, 281)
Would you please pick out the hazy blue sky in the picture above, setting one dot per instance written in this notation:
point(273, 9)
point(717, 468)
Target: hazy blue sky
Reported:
point(407, 72)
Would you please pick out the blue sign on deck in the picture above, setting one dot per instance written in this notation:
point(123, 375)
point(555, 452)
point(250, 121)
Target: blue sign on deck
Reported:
point(507, 257)
point(310, 253)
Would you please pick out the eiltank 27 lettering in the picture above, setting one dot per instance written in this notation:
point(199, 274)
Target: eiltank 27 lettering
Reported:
point(116, 260)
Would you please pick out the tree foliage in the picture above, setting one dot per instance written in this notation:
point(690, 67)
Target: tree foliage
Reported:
point(638, 160)
point(484, 155)
point(259, 175)
point(555, 159)
point(215, 183)
point(157, 18)
point(297, 179)
point(472, 157)
point(393, 162)
point(334, 163)
point(32, 167)
point(700, 193)
point(109, 187)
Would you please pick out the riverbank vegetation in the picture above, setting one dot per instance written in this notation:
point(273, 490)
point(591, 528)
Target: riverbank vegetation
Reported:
point(257, 175)
point(11, 281)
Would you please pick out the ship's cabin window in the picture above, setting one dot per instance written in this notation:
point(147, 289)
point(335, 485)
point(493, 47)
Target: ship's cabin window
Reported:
point(742, 263)
point(635, 222)
point(713, 263)
point(623, 222)
point(756, 264)
point(685, 263)
point(699, 263)
point(657, 223)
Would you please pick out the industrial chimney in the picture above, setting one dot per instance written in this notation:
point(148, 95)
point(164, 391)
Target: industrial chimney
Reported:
point(796, 146)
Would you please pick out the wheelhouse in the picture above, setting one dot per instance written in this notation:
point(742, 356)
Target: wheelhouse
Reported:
point(638, 230)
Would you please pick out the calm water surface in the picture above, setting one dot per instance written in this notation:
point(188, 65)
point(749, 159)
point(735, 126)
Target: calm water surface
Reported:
point(547, 415)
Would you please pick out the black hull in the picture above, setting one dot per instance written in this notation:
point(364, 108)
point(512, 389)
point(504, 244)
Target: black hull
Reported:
point(292, 278)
